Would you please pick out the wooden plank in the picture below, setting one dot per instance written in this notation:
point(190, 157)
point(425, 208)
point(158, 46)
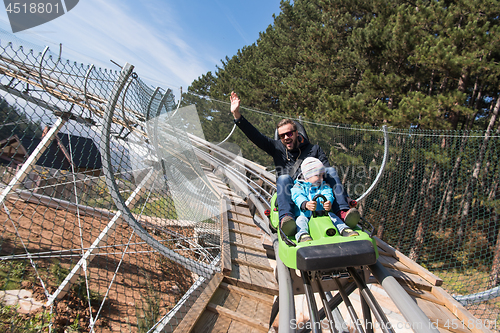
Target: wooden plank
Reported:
point(248, 293)
point(250, 228)
point(410, 279)
point(239, 213)
point(244, 233)
point(391, 262)
point(199, 306)
point(240, 262)
point(241, 222)
point(206, 322)
point(457, 309)
point(209, 321)
point(239, 209)
point(235, 199)
point(264, 313)
point(433, 279)
point(241, 273)
point(224, 239)
point(247, 307)
point(252, 322)
point(243, 284)
point(246, 246)
point(417, 293)
point(241, 218)
point(214, 187)
point(256, 257)
point(263, 278)
point(441, 317)
point(230, 302)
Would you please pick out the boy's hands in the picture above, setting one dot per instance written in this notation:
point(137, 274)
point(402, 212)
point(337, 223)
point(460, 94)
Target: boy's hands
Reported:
point(311, 205)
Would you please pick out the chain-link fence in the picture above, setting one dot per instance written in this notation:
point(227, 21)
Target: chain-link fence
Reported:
point(107, 221)
point(437, 202)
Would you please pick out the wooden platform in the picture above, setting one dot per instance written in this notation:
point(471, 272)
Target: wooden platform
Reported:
point(241, 297)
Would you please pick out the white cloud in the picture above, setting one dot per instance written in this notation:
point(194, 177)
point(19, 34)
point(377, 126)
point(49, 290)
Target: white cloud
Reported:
point(107, 30)
point(170, 43)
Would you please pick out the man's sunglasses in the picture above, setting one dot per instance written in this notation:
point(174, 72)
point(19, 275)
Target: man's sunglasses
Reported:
point(287, 134)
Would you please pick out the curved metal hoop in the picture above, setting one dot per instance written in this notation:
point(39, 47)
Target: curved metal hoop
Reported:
point(52, 70)
point(202, 269)
point(123, 101)
point(382, 167)
point(85, 86)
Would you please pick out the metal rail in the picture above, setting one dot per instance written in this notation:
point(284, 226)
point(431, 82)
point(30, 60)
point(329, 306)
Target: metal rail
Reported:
point(199, 268)
point(382, 166)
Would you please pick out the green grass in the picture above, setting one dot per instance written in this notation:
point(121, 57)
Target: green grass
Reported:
point(463, 282)
point(161, 207)
point(12, 273)
point(13, 322)
point(149, 314)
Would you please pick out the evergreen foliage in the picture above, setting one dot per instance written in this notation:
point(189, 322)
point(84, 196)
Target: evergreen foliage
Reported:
point(431, 64)
point(16, 122)
point(430, 68)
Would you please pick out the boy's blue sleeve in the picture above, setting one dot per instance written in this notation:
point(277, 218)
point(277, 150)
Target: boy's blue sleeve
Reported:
point(298, 195)
point(327, 192)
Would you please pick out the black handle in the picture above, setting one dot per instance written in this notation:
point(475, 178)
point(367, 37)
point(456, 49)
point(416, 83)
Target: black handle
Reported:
point(316, 197)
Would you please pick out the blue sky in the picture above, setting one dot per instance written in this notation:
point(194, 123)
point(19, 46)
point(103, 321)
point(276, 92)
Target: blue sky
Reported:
point(170, 42)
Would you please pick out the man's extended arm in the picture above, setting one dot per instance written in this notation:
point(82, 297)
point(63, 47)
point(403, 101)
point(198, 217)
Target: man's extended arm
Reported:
point(260, 140)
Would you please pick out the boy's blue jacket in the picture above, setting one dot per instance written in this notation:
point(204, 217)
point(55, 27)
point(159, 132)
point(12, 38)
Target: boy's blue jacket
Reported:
point(305, 191)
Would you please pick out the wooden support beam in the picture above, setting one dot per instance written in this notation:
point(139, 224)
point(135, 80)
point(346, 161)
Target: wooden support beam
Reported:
point(247, 285)
point(194, 313)
point(245, 246)
point(241, 222)
point(248, 293)
point(246, 215)
point(458, 310)
point(244, 233)
point(426, 295)
point(253, 322)
point(225, 245)
point(422, 272)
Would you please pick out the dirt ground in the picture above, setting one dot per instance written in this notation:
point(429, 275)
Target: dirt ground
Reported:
point(128, 292)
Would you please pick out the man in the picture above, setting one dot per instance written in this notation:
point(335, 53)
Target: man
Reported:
point(287, 153)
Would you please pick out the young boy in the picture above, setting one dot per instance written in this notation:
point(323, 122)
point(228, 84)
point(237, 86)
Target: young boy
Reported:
point(302, 193)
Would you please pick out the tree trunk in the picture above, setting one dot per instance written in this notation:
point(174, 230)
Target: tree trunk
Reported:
point(422, 223)
point(471, 185)
point(450, 187)
point(381, 228)
point(425, 213)
point(405, 206)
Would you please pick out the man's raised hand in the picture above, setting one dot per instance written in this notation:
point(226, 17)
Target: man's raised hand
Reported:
point(235, 105)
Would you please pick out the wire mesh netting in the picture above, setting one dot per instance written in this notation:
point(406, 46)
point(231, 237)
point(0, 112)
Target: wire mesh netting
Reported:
point(69, 259)
point(437, 201)
point(109, 224)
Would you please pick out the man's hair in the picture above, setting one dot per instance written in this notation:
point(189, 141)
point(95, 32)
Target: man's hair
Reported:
point(286, 122)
